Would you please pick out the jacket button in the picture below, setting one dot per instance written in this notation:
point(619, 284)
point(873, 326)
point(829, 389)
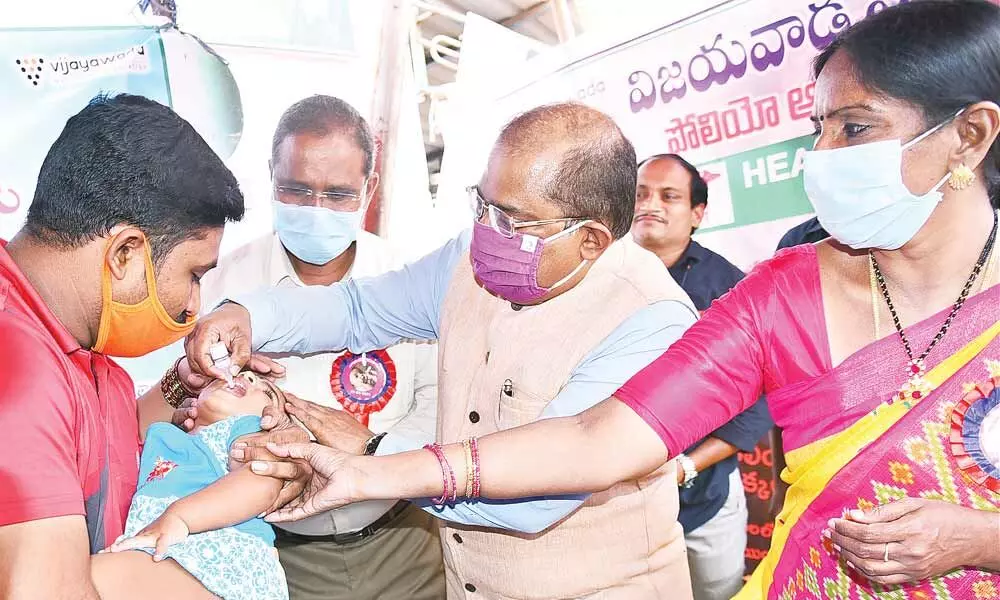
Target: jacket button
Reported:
point(474, 417)
point(470, 587)
point(458, 538)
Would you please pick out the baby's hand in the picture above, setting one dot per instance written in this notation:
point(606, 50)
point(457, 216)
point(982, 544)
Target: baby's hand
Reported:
point(162, 533)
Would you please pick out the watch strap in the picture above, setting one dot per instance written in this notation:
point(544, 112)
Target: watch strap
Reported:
point(690, 470)
point(372, 444)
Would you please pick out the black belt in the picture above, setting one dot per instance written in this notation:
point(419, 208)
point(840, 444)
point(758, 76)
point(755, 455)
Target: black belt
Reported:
point(295, 539)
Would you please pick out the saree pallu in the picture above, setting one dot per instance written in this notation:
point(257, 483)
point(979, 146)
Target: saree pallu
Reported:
point(851, 443)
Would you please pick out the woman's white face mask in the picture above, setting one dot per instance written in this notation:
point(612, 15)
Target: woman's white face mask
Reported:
point(860, 197)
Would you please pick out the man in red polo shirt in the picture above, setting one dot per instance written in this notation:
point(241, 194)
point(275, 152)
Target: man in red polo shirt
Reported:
point(126, 218)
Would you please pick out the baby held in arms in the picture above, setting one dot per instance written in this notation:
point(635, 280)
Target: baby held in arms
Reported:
point(193, 530)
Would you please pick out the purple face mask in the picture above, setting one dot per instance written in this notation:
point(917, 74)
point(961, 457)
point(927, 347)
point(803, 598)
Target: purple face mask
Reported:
point(508, 267)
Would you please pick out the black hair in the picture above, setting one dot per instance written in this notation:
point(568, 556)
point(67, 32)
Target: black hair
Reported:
point(699, 188)
point(939, 55)
point(322, 115)
point(129, 160)
point(595, 177)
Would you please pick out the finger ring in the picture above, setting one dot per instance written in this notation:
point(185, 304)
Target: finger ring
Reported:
point(885, 557)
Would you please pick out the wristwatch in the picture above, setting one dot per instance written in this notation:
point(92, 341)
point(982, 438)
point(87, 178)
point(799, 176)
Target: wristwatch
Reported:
point(372, 444)
point(690, 470)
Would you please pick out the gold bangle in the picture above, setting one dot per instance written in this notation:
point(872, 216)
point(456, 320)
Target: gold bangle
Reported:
point(468, 468)
point(173, 390)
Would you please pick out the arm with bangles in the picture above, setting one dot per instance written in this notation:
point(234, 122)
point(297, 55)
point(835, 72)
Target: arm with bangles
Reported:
point(158, 403)
point(594, 450)
point(555, 456)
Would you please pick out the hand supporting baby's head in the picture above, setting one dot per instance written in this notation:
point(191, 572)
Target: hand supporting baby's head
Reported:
point(250, 395)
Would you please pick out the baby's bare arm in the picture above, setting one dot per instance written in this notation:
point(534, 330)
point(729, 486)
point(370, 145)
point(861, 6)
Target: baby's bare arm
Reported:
point(237, 497)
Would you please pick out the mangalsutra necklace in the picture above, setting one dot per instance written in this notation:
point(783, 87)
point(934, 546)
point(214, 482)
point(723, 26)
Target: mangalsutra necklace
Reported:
point(917, 386)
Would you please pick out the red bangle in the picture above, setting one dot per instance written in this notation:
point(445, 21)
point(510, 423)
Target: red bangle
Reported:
point(450, 485)
point(476, 483)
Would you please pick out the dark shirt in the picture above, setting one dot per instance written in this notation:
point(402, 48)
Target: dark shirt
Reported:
point(705, 276)
point(809, 232)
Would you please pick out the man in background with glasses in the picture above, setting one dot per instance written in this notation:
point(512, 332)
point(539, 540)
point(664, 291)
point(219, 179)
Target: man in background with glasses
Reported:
point(322, 169)
point(543, 310)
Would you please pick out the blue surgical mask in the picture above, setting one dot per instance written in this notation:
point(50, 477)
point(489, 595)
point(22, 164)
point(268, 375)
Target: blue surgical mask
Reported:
point(314, 234)
point(859, 195)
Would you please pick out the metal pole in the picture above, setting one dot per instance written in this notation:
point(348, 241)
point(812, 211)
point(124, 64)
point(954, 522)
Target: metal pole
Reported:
point(392, 59)
point(562, 14)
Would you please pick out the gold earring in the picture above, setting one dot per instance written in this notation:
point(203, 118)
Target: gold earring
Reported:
point(961, 178)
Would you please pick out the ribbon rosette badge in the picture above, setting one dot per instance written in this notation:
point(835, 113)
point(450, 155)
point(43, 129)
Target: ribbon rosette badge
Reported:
point(363, 383)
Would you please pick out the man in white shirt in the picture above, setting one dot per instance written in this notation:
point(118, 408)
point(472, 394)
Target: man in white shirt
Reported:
point(322, 167)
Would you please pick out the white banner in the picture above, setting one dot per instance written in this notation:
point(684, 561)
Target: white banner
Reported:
point(728, 88)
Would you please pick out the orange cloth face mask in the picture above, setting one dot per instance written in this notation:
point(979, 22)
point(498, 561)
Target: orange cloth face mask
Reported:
point(130, 330)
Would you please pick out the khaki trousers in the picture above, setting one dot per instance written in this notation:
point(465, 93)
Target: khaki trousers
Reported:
point(401, 561)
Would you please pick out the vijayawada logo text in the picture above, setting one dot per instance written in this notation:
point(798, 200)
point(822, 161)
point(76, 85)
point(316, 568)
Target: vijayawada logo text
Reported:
point(132, 60)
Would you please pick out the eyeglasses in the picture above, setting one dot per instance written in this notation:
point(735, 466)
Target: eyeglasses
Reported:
point(500, 221)
point(303, 196)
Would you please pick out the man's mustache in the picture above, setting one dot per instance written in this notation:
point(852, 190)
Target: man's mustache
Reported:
point(648, 214)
